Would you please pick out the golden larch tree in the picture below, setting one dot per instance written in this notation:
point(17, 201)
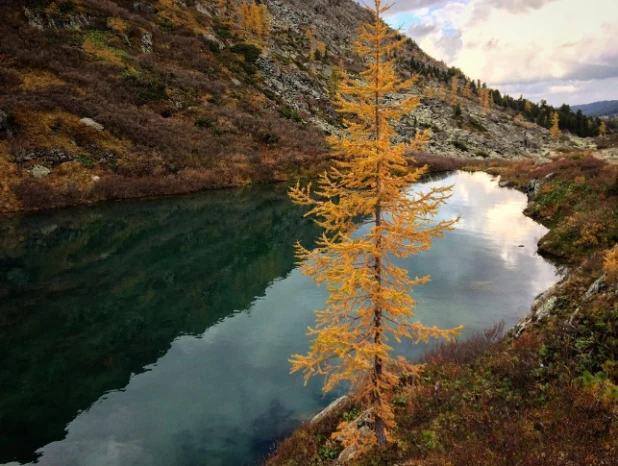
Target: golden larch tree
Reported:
point(467, 90)
point(603, 129)
point(610, 265)
point(555, 125)
point(226, 10)
point(442, 92)
point(244, 17)
point(263, 16)
point(485, 99)
point(369, 300)
point(254, 20)
point(454, 90)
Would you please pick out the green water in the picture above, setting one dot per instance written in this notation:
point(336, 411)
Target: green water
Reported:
point(157, 332)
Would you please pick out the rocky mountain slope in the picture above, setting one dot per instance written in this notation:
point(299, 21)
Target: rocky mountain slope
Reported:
point(113, 99)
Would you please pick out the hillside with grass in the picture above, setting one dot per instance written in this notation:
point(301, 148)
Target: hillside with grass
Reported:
point(117, 99)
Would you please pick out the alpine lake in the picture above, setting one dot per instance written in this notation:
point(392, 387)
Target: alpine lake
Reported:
point(158, 332)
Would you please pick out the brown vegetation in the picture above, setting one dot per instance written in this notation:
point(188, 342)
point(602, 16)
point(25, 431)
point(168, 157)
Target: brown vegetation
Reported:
point(173, 120)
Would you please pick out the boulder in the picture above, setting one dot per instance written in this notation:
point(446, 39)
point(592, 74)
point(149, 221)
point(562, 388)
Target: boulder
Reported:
point(331, 408)
point(549, 176)
point(364, 420)
point(93, 124)
point(34, 20)
point(534, 188)
point(4, 121)
point(363, 424)
point(39, 171)
point(54, 156)
point(143, 7)
point(530, 142)
point(598, 286)
point(202, 9)
point(146, 42)
point(348, 454)
point(544, 304)
point(211, 38)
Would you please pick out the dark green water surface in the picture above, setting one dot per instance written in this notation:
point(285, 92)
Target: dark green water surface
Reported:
point(157, 332)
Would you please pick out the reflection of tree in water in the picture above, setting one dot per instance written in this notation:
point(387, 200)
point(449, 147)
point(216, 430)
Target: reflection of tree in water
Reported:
point(90, 296)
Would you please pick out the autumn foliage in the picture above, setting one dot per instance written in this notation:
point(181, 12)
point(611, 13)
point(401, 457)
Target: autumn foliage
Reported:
point(369, 303)
point(610, 264)
point(555, 128)
point(255, 19)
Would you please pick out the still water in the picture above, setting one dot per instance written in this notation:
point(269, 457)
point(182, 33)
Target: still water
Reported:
point(157, 332)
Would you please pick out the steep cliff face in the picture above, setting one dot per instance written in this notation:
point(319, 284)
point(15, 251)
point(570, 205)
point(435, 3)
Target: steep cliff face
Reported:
point(114, 99)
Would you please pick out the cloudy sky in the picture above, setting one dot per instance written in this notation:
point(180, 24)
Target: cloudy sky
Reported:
point(558, 50)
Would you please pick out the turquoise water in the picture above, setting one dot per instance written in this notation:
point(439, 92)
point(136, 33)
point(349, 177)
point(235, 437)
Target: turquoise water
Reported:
point(157, 332)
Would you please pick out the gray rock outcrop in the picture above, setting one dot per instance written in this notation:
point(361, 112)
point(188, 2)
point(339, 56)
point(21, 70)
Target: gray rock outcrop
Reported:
point(93, 124)
point(330, 409)
point(39, 171)
point(146, 42)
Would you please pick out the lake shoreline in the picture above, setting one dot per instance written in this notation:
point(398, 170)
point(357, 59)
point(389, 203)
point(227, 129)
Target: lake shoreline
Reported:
point(559, 193)
point(118, 189)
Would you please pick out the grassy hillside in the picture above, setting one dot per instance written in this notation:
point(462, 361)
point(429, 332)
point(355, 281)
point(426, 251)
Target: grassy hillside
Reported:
point(116, 99)
point(178, 114)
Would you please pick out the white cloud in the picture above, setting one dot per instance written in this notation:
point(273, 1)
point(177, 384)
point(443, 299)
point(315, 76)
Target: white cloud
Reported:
point(564, 44)
point(563, 89)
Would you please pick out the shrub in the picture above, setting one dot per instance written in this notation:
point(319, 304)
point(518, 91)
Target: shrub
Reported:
point(85, 159)
point(145, 87)
point(460, 145)
point(203, 123)
point(290, 114)
point(465, 351)
point(476, 125)
point(249, 51)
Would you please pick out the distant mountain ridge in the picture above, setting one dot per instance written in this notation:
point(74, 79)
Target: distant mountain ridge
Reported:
point(598, 109)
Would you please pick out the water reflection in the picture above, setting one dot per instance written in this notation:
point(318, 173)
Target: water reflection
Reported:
point(125, 311)
point(88, 297)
